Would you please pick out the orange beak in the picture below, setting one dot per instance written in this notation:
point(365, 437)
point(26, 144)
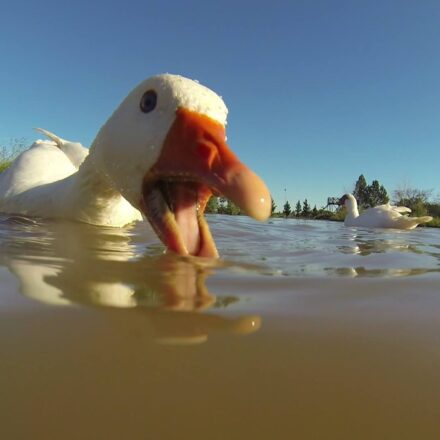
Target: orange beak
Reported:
point(196, 162)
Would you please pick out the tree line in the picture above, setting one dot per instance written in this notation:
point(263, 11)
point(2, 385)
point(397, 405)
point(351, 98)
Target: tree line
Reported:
point(418, 200)
point(301, 210)
point(221, 205)
point(367, 195)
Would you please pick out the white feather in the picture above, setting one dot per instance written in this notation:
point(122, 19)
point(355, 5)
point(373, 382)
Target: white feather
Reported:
point(382, 216)
point(61, 179)
point(73, 150)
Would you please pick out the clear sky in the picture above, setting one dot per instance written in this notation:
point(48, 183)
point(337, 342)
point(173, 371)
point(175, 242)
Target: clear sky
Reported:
point(318, 91)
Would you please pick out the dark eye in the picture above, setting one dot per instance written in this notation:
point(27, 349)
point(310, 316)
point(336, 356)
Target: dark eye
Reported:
point(148, 101)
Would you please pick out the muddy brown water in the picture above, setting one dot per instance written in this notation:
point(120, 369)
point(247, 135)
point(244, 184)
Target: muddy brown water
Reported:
point(304, 329)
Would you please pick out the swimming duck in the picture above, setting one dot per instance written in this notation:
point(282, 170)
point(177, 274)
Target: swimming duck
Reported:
point(160, 155)
point(382, 216)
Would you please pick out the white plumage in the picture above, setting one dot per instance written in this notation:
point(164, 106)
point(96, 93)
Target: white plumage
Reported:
point(163, 152)
point(45, 181)
point(73, 150)
point(382, 216)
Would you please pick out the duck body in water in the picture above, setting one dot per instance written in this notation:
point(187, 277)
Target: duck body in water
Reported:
point(382, 216)
point(160, 156)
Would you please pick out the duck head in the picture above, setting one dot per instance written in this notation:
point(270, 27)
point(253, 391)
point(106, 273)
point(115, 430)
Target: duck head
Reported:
point(341, 201)
point(164, 149)
point(347, 200)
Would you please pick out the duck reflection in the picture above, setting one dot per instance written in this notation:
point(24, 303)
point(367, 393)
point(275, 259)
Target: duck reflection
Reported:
point(363, 244)
point(363, 271)
point(362, 248)
point(69, 264)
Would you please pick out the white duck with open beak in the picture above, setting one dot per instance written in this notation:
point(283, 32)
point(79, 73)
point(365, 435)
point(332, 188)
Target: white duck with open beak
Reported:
point(382, 216)
point(162, 153)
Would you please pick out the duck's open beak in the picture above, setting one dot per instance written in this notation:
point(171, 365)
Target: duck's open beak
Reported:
point(195, 163)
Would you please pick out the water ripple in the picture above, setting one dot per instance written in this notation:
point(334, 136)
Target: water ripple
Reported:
point(67, 263)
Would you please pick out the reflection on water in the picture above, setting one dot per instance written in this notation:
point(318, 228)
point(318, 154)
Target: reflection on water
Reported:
point(67, 264)
point(92, 323)
point(315, 248)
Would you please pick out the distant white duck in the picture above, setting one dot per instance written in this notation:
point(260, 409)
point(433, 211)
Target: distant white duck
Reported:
point(382, 216)
point(162, 153)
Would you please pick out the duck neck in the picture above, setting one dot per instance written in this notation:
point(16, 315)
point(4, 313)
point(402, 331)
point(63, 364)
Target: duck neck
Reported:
point(89, 196)
point(352, 209)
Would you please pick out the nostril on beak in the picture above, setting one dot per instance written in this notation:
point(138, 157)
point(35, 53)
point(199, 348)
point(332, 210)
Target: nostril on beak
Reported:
point(207, 152)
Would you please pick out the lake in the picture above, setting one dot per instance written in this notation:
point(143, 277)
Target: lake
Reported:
point(304, 329)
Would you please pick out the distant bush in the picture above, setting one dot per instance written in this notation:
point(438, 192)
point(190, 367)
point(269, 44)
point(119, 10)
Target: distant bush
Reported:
point(9, 152)
point(4, 165)
point(435, 223)
point(324, 214)
point(433, 209)
point(339, 215)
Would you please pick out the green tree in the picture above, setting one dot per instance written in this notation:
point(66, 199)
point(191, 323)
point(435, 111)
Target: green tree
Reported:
point(212, 205)
point(287, 209)
point(298, 208)
point(383, 194)
point(413, 198)
point(306, 209)
point(377, 194)
point(273, 206)
point(232, 208)
point(419, 209)
point(315, 212)
point(222, 201)
point(225, 206)
point(360, 190)
point(369, 195)
point(433, 209)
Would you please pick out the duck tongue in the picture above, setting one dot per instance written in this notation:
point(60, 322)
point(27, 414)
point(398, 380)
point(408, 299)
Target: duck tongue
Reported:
point(195, 149)
point(184, 201)
point(175, 210)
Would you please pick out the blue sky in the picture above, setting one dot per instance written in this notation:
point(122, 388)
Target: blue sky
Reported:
point(318, 91)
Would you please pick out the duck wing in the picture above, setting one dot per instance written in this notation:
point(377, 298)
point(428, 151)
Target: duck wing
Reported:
point(387, 216)
point(401, 209)
point(378, 217)
point(75, 152)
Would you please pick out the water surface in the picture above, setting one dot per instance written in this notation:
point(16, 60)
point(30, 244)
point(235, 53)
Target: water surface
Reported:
point(304, 329)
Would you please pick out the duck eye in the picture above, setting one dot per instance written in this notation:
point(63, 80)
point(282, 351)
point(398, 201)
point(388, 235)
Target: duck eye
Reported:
point(148, 101)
